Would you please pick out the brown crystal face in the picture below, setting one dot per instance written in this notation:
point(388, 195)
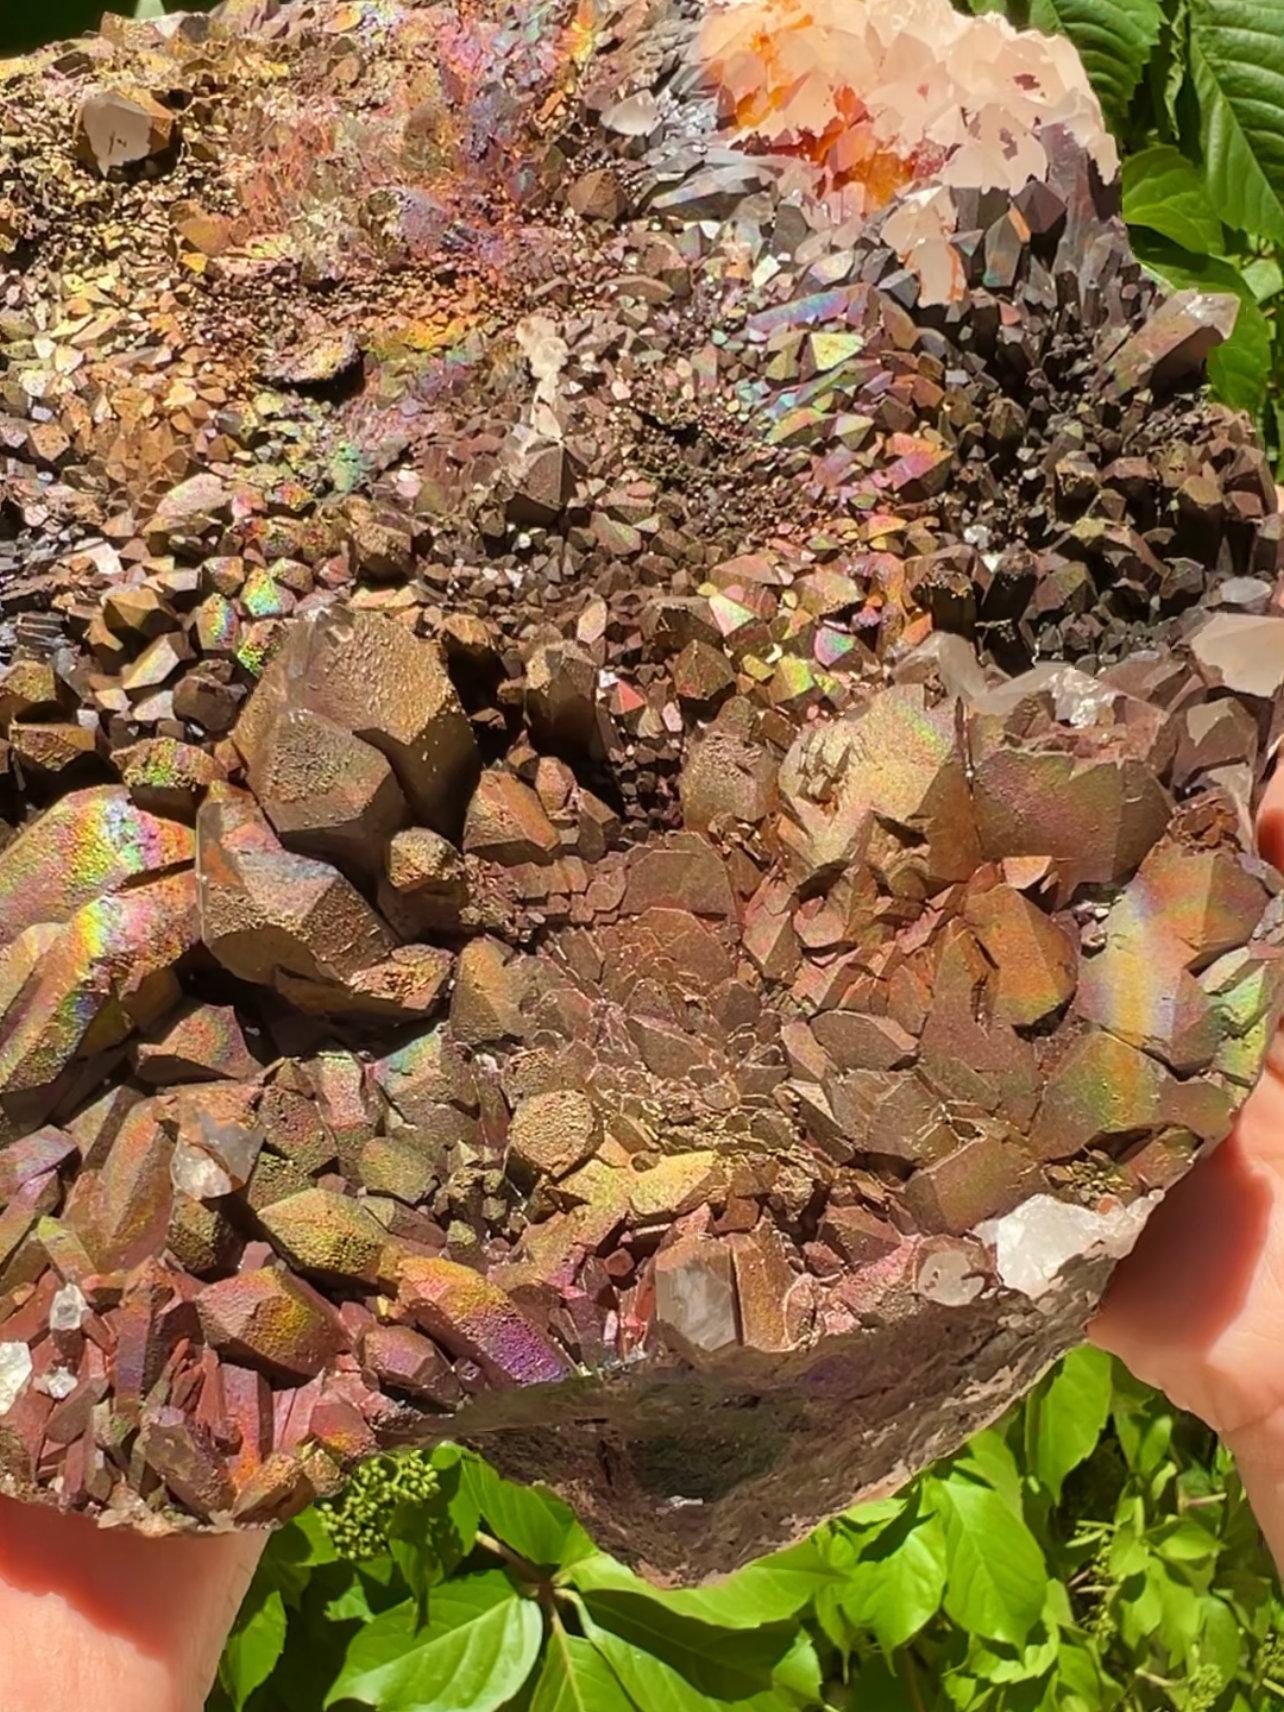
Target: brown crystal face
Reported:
point(629, 758)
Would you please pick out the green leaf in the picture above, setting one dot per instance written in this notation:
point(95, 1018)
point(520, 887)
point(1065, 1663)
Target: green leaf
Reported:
point(255, 1644)
point(576, 1678)
point(1178, 1624)
point(768, 1591)
point(1186, 1541)
point(289, 1559)
point(1066, 1416)
point(1264, 278)
point(477, 1649)
point(305, 1542)
point(799, 1671)
point(896, 1585)
point(149, 9)
point(1239, 371)
point(1079, 1674)
point(1143, 1419)
point(875, 1513)
point(319, 1634)
point(1164, 191)
point(1128, 1556)
point(671, 1664)
point(879, 1687)
point(989, 1457)
point(1237, 60)
point(1114, 39)
point(997, 1662)
point(1220, 1643)
point(534, 1522)
point(459, 1528)
point(1171, 97)
point(429, 1540)
point(997, 1579)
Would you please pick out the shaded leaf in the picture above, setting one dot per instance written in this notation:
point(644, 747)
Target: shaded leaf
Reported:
point(450, 1461)
point(1219, 1637)
point(882, 1687)
point(671, 1664)
point(1164, 191)
point(799, 1671)
point(1166, 74)
point(428, 1541)
point(319, 1635)
point(292, 1553)
point(996, 1662)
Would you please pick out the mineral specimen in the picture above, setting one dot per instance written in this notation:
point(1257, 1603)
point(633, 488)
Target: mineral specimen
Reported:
point(633, 678)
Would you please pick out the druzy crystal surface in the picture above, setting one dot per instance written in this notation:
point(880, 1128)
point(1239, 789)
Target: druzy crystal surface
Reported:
point(634, 683)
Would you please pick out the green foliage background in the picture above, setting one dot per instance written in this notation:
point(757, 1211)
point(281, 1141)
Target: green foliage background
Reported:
point(1194, 92)
point(1094, 1550)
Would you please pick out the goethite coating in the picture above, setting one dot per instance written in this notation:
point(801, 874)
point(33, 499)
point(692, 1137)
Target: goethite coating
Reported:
point(635, 685)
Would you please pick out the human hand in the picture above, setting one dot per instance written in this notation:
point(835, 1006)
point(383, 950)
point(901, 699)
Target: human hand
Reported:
point(1198, 1308)
point(101, 1618)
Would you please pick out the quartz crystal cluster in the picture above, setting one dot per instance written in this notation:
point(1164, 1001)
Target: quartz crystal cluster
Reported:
point(884, 93)
point(633, 679)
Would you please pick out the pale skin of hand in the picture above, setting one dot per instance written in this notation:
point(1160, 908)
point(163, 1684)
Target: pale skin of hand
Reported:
point(98, 1620)
point(102, 1620)
point(1198, 1307)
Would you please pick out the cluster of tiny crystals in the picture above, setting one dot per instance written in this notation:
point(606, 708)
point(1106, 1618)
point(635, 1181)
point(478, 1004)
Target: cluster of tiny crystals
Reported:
point(633, 672)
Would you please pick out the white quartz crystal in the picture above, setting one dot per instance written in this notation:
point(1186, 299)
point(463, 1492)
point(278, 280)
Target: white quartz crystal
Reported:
point(1035, 1240)
point(15, 1371)
point(68, 1308)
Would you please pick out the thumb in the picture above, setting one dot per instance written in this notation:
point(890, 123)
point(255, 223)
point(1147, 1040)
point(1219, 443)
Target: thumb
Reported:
point(105, 1618)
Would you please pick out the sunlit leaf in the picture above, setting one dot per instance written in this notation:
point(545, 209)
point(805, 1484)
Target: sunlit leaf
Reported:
point(1237, 61)
point(764, 1592)
point(575, 1677)
point(997, 1578)
point(1066, 1416)
point(897, 1583)
point(534, 1522)
point(477, 1649)
point(255, 1644)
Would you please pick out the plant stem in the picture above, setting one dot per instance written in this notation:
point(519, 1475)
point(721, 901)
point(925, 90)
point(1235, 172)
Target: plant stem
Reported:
point(519, 1565)
point(910, 1677)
